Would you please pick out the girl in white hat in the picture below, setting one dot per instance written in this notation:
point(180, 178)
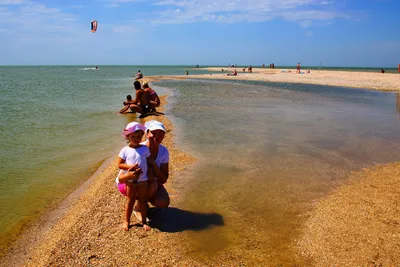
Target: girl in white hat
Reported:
point(134, 175)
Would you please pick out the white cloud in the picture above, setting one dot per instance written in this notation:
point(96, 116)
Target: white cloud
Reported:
point(13, 2)
point(228, 11)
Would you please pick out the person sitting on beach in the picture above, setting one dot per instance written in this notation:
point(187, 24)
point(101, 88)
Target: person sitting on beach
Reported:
point(159, 162)
point(126, 105)
point(141, 103)
point(135, 177)
point(138, 75)
point(154, 99)
point(234, 73)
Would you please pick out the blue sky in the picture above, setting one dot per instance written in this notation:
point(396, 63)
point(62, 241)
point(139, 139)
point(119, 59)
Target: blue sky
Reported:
point(206, 32)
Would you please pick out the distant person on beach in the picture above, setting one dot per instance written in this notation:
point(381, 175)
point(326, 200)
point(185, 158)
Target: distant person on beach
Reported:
point(382, 71)
point(250, 69)
point(141, 104)
point(234, 73)
point(187, 73)
point(298, 68)
point(138, 75)
point(159, 162)
point(126, 105)
point(135, 177)
point(154, 99)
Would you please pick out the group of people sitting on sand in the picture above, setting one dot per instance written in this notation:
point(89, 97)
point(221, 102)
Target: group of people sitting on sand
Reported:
point(146, 100)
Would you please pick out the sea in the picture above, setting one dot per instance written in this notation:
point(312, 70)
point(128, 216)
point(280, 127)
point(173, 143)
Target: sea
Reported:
point(266, 151)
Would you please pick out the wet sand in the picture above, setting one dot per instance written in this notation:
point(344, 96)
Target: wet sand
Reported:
point(356, 225)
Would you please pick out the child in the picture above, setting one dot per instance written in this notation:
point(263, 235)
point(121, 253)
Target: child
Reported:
point(126, 104)
point(134, 175)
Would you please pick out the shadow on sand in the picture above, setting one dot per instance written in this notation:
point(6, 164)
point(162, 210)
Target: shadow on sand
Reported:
point(173, 220)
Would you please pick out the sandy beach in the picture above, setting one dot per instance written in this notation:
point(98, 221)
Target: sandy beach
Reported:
point(356, 225)
point(367, 80)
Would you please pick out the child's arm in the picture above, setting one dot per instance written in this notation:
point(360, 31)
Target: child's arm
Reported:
point(130, 175)
point(122, 164)
point(124, 109)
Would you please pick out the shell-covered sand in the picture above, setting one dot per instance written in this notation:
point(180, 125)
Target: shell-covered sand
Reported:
point(356, 225)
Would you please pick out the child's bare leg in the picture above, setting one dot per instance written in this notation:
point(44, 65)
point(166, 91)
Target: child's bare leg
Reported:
point(152, 189)
point(131, 189)
point(142, 198)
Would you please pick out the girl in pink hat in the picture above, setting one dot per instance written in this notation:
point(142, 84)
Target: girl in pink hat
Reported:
point(134, 175)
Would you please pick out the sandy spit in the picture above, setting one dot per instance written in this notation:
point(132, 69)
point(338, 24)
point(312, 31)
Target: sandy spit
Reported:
point(358, 224)
point(366, 80)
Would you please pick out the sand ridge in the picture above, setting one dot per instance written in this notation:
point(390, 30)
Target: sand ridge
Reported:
point(389, 82)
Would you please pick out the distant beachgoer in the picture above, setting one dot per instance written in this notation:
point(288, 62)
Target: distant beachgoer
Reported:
point(141, 104)
point(250, 69)
point(138, 75)
point(154, 99)
point(234, 73)
point(308, 71)
point(126, 104)
point(382, 71)
point(97, 67)
point(244, 69)
point(159, 161)
point(298, 68)
point(187, 72)
point(135, 174)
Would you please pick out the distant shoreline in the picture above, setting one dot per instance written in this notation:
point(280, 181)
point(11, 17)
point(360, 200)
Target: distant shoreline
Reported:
point(386, 82)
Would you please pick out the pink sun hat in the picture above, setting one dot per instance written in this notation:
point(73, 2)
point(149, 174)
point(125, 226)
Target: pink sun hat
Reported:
point(133, 127)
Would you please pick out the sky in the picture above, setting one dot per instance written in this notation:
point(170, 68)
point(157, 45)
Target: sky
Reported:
point(350, 33)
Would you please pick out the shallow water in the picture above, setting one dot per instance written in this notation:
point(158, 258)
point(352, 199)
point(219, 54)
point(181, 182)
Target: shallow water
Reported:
point(58, 123)
point(267, 152)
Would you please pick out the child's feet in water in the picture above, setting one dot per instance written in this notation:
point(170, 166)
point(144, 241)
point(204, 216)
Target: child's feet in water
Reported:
point(125, 226)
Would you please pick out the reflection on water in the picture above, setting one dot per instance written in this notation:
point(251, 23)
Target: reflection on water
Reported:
point(267, 153)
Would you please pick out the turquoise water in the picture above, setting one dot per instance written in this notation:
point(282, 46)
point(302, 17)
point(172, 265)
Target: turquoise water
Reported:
point(266, 150)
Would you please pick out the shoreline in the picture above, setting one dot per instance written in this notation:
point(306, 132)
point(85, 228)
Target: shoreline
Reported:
point(86, 230)
point(385, 82)
point(37, 244)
